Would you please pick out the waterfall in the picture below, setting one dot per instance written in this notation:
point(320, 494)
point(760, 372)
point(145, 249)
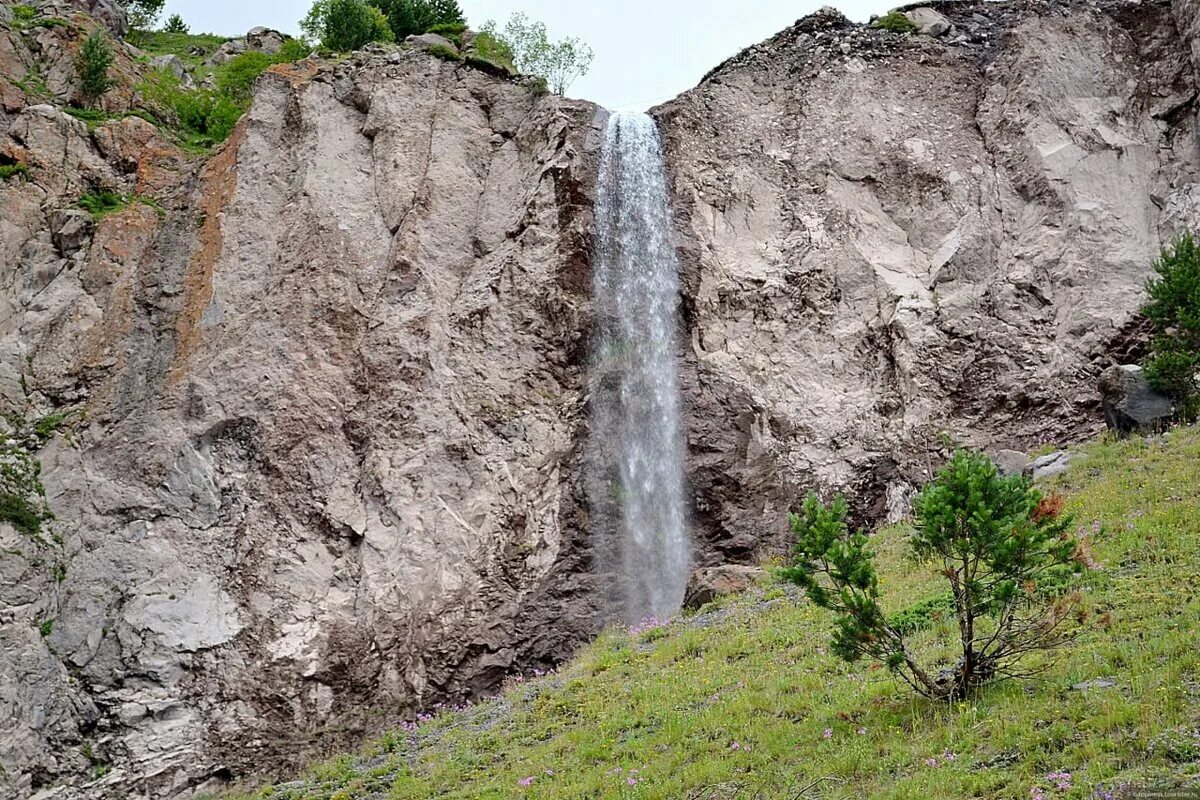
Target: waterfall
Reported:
point(636, 442)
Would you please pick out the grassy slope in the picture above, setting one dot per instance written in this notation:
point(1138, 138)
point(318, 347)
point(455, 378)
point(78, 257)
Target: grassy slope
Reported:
point(735, 703)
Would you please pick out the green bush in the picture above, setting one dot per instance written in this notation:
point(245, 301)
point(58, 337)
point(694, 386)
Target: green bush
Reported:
point(22, 496)
point(236, 80)
point(50, 22)
point(896, 22)
point(451, 30)
point(1174, 311)
point(204, 116)
point(558, 64)
point(1004, 548)
point(95, 58)
point(23, 15)
point(175, 24)
point(345, 25)
point(293, 50)
point(490, 47)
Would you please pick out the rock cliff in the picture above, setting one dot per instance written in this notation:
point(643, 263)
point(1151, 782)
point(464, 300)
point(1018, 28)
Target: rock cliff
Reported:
point(319, 405)
point(897, 242)
point(309, 413)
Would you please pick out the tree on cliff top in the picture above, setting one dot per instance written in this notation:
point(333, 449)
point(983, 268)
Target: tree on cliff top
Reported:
point(345, 25)
point(414, 17)
point(143, 14)
point(559, 63)
point(1004, 548)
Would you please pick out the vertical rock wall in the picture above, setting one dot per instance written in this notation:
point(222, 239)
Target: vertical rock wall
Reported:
point(895, 243)
point(322, 398)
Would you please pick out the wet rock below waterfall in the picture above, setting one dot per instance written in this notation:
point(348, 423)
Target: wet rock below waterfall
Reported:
point(709, 583)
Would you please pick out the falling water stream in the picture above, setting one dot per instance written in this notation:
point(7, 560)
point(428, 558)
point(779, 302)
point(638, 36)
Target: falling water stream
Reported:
point(637, 447)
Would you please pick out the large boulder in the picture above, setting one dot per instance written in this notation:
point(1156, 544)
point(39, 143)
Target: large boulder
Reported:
point(265, 40)
point(71, 229)
point(929, 22)
point(427, 40)
point(228, 51)
point(709, 583)
point(1130, 405)
point(1049, 465)
point(1011, 462)
point(174, 65)
point(110, 13)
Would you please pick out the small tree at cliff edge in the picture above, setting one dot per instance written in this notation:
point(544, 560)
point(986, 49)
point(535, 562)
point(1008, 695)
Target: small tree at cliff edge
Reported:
point(1004, 548)
point(346, 25)
point(559, 63)
point(1174, 311)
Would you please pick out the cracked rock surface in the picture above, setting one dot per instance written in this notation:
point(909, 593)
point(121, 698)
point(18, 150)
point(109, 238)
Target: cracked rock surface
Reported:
point(322, 414)
point(893, 243)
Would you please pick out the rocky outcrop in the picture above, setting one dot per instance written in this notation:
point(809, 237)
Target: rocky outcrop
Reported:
point(896, 243)
point(710, 583)
point(320, 404)
point(1130, 405)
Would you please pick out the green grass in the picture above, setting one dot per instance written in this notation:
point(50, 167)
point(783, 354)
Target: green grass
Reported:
point(161, 43)
point(102, 203)
point(95, 117)
point(10, 171)
point(736, 702)
point(443, 52)
point(34, 85)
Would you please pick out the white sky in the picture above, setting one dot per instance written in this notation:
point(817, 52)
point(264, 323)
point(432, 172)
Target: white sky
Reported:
point(647, 51)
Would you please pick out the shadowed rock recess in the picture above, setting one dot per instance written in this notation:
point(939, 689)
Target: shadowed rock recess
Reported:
point(320, 459)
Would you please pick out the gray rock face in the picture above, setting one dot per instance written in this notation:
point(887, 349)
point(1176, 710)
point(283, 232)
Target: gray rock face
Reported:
point(228, 51)
point(1187, 16)
point(70, 229)
point(1130, 405)
point(109, 12)
point(915, 239)
point(333, 400)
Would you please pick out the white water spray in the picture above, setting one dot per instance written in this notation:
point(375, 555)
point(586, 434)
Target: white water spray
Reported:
point(637, 445)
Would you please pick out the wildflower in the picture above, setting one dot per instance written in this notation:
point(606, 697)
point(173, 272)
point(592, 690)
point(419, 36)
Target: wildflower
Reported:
point(931, 762)
point(735, 746)
point(525, 781)
point(828, 734)
point(1061, 780)
point(948, 756)
point(1037, 793)
point(549, 772)
point(631, 781)
point(861, 731)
